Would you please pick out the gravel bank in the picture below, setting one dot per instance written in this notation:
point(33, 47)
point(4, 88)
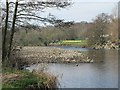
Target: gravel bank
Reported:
point(51, 55)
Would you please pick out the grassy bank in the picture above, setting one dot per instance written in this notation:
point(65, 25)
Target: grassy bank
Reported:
point(71, 42)
point(25, 80)
point(85, 43)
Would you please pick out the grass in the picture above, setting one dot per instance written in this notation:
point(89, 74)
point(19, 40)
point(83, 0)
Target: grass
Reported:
point(73, 42)
point(22, 79)
point(0, 75)
point(0, 83)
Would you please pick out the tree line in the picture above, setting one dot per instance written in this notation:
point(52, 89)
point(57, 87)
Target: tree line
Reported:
point(18, 30)
point(103, 28)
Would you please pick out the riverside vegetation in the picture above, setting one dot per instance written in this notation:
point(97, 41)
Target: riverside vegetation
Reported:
point(11, 20)
point(17, 31)
point(85, 43)
point(25, 80)
point(14, 77)
point(21, 57)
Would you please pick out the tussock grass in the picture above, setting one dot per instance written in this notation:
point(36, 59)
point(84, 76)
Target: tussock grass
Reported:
point(25, 80)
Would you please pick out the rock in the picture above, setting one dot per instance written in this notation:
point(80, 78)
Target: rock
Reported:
point(91, 61)
point(68, 61)
point(88, 60)
point(76, 64)
point(73, 60)
point(54, 55)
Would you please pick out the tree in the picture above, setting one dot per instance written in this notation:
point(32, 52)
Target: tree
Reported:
point(12, 28)
point(27, 11)
point(99, 29)
point(112, 30)
point(5, 32)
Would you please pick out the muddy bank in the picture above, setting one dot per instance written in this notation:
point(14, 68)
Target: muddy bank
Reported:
point(50, 55)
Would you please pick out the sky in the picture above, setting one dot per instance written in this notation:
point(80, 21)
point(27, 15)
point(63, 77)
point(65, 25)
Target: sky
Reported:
point(84, 10)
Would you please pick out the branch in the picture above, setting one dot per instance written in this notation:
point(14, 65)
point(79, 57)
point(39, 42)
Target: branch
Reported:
point(31, 18)
point(28, 26)
point(44, 4)
point(19, 21)
point(64, 24)
point(50, 19)
point(21, 10)
point(20, 25)
point(11, 3)
point(29, 15)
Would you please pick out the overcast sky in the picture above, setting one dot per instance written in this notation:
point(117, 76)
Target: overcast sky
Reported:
point(84, 10)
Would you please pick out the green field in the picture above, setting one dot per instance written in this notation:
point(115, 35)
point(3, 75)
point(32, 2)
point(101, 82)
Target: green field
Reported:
point(73, 42)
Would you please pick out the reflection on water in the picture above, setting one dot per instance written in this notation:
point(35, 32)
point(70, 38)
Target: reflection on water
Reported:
point(88, 75)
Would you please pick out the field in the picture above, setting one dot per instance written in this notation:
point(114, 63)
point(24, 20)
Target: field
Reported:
point(72, 42)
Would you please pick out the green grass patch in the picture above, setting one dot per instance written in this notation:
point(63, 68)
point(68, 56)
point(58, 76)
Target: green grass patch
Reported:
point(73, 42)
point(25, 79)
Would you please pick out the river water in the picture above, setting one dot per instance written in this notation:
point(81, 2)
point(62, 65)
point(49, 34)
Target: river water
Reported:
point(87, 75)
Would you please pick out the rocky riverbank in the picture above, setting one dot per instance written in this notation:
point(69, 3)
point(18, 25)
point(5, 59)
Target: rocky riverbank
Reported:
point(107, 45)
point(50, 55)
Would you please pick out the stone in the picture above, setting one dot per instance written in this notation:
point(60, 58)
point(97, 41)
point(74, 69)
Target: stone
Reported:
point(91, 61)
point(49, 54)
point(76, 64)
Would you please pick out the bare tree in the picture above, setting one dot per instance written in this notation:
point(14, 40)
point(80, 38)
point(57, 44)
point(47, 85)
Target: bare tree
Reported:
point(27, 11)
point(13, 28)
point(99, 29)
point(5, 32)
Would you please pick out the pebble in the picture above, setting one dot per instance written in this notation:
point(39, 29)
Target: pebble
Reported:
point(47, 54)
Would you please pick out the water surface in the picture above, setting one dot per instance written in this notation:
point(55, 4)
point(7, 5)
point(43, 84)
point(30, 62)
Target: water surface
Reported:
point(87, 75)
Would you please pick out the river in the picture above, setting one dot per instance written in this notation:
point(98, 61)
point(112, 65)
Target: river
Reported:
point(103, 74)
